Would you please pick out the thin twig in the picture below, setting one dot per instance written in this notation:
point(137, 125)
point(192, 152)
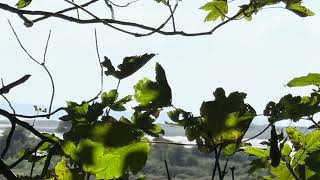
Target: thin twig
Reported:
point(111, 8)
point(99, 19)
point(172, 15)
point(122, 6)
point(26, 125)
point(26, 155)
point(53, 90)
point(40, 115)
point(246, 140)
point(101, 67)
point(9, 138)
point(46, 48)
point(9, 103)
point(24, 49)
point(48, 160)
point(118, 85)
point(41, 64)
point(7, 88)
point(224, 172)
point(167, 170)
point(232, 172)
point(33, 164)
point(77, 10)
point(63, 11)
point(108, 22)
point(292, 171)
point(315, 123)
point(6, 171)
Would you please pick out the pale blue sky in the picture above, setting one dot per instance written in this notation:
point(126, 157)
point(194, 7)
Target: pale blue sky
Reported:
point(256, 57)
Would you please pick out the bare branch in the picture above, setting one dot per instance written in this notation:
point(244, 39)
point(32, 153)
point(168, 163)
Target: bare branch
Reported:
point(167, 169)
point(26, 155)
point(63, 11)
point(8, 140)
point(9, 103)
point(27, 126)
point(24, 49)
point(7, 88)
point(108, 22)
point(101, 67)
point(41, 64)
point(46, 48)
point(257, 134)
point(40, 115)
point(122, 6)
point(6, 171)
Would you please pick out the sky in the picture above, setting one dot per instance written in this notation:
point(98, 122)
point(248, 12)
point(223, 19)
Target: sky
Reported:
point(257, 57)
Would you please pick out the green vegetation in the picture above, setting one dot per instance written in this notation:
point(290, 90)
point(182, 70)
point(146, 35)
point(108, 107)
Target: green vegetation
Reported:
point(99, 145)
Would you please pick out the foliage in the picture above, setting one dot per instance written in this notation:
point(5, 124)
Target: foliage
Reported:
point(100, 145)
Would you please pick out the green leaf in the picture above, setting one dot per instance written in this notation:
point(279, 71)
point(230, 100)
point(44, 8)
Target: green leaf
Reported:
point(300, 10)
point(129, 65)
point(154, 94)
point(146, 92)
point(310, 79)
point(23, 3)
point(282, 172)
point(144, 121)
point(108, 98)
point(119, 105)
point(216, 8)
point(62, 171)
point(312, 141)
point(296, 137)
point(257, 152)
point(286, 150)
point(311, 144)
point(226, 119)
point(230, 149)
point(293, 107)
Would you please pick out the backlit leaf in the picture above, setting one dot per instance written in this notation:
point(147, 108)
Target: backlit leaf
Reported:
point(216, 8)
point(23, 3)
point(300, 10)
point(129, 65)
point(310, 79)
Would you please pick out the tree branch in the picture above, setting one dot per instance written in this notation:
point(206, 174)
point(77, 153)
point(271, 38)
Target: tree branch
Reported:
point(7, 88)
point(108, 22)
point(6, 171)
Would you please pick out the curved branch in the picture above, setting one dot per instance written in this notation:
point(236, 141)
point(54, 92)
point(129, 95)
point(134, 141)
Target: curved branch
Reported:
point(122, 6)
point(108, 22)
point(37, 62)
point(6, 171)
point(264, 130)
point(8, 141)
point(26, 155)
point(7, 88)
point(27, 126)
point(63, 11)
point(40, 115)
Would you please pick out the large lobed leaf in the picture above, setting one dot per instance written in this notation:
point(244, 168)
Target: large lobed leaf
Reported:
point(152, 94)
point(129, 66)
point(216, 8)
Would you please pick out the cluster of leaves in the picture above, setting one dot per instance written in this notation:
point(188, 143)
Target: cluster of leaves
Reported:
point(301, 159)
point(219, 8)
point(101, 145)
point(223, 121)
